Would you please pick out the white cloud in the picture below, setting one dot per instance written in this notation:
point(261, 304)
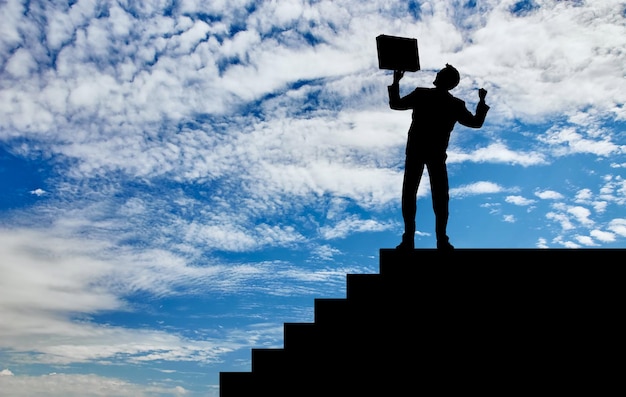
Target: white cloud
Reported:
point(38, 192)
point(21, 64)
point(614, 189)
point(584, 196)
point(566, 213)
point(586, 240)
point(50, 283)
point(561, 241)
point(565, 141)
point(482, 187)
point(498, 153)
point(581, 214)
point(50, 273)
point(509, 218)
point(553, 58)
point(192, 49)
point(494, 208)
point(326, 252)
point(73, 385)
point(618, 226)
point(6, 372)
point(549, 195)
point(562, 219)
point(519, 200)
point(352, 225)
point(600, 206)
point(232, 237)
point(605, 237)
point(569, 244)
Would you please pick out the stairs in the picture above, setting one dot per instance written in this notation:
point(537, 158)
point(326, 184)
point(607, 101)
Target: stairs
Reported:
point(484, 321)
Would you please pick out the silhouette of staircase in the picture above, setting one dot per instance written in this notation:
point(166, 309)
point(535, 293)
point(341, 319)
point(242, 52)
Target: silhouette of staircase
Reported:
point(492, 322)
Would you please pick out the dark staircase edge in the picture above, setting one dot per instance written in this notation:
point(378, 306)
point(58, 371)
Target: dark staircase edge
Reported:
point(563, 305)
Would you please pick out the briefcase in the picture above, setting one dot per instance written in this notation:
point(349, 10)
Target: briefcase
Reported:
point(397, 53)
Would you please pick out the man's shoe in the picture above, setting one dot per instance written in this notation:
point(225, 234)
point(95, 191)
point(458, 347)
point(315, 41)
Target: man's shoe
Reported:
point(405, 246)
point(445, 246)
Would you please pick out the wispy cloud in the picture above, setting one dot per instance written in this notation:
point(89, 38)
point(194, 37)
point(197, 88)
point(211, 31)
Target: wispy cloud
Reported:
point(50, 283)
point(82, 385)
point(353, 225)
point(568, 140)
point(482, 187)
point(499, 153)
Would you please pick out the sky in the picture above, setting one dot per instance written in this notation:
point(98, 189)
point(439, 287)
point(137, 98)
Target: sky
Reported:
point(180, 177)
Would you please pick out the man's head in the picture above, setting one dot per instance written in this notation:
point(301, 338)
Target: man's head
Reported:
point(447, 78)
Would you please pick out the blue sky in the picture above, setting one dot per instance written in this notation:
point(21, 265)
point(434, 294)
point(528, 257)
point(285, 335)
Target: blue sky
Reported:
point(180, 178)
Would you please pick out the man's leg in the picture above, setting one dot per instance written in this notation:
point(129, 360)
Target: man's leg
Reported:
point(412, 175)
point(438, 174)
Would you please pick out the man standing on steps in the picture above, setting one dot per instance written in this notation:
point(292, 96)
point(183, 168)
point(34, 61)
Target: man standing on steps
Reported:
point(435, 112)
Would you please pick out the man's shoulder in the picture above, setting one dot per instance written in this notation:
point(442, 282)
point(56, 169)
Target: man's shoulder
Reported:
point(456, 100)
point(422, 90)
point(459, 100)
point(426, 92)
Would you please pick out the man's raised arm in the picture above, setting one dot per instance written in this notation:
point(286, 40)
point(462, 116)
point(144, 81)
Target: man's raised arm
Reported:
point(476, 121)
point(395, 102)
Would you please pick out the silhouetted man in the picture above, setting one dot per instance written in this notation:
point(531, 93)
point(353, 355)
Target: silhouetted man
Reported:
point(435, 112)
